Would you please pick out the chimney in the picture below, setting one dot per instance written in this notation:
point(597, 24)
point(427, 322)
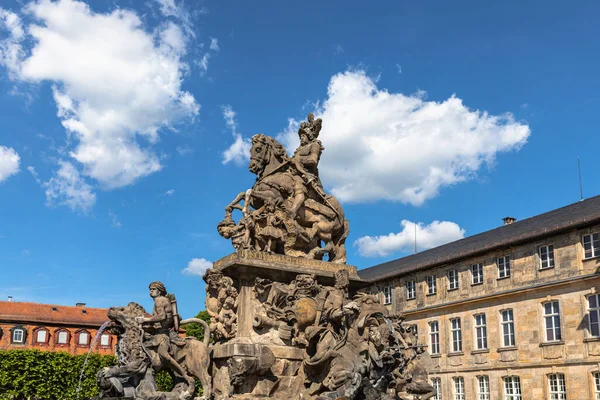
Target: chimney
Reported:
point(80, 305)
point(9, 298)
point(508, 220)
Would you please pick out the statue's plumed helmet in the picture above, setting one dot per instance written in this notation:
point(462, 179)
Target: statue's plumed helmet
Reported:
point(158, 285)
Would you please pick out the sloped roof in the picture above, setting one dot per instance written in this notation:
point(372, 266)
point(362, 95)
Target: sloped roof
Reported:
point(11, 311)
point(575, 215)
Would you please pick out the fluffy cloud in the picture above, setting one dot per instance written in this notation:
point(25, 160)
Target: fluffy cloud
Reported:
point(68, 188)
point(239, 151)
point(112, 95)
point(428, 236)
point(382, 145)
point(9, 162)
point(197, 266)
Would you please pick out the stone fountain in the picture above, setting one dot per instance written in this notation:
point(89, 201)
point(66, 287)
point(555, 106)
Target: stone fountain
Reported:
point(289, 319)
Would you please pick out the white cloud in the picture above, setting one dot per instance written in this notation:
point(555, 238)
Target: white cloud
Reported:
point(112, 95)
point(428, 236)
point(9, 162)
point(184, 150)
point(68, 188)
point(115, 220)
point(169, 192)
point(214, 44)
point(382, 145)
point(34, 173)
point(239, 151)
point(197, 266)
point(11, 51)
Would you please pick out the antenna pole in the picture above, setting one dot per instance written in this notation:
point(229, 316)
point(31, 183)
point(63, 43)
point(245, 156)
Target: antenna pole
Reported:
point(580, 182)
point(415, 238)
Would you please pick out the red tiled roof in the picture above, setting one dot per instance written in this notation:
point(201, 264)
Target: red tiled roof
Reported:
point(46, 314)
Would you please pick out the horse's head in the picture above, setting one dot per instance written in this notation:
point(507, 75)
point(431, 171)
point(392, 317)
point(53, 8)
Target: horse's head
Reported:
point(124, 317)
point(265, 150)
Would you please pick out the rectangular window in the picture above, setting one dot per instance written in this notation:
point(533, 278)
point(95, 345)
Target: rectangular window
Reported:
point(477, 273)
point(411, 290)
point(84, 338)
point(547, 256)
point(434, 337)
point(63, 337)
point(597, 385)
point(459, 388)
point(591, 245)
point(105, 340)
point(431, 284)
point(456, 335)
point(483, 387)
point(594, 314)
point(17, 336)
point(504, 267)
point(556, 383)
point(480, 332)
point(552, 321)
point(452, 279)
point(512, 388)
point(508, 328)
point(41, 335)
point(437, 385)
point(387, 295)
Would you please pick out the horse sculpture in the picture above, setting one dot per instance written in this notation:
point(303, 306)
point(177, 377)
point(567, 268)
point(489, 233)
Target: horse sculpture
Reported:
point(134, 376)
point(318, 227)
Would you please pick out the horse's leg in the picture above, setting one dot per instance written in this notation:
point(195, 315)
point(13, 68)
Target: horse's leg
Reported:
point(236, 202)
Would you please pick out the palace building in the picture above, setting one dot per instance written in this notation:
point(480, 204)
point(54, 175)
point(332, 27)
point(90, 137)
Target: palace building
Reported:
point(53, 328)
point(511, 313)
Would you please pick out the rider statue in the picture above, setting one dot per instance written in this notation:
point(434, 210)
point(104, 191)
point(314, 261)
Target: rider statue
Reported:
point(306, 161)
point(161, 330)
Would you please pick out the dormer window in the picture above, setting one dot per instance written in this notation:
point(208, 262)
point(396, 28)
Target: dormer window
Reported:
point(105, 340)
point(18, 334)
point(62, 337)
point(41, 336)
point(83, 338)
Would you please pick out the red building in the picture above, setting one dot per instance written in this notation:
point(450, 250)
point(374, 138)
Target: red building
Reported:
point(53, 328)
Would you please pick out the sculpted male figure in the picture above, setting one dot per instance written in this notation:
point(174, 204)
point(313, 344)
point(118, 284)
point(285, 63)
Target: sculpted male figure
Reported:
point(159, 329)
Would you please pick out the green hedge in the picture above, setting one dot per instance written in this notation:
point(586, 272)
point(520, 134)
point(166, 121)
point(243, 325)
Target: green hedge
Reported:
point(42, 375)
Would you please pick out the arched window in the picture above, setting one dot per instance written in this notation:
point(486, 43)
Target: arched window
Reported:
point(83, 338)
point(41, 335)
point(18, 335)
point(62, 337)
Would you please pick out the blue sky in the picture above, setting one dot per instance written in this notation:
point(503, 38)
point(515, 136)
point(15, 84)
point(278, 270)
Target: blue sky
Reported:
point(124, 126)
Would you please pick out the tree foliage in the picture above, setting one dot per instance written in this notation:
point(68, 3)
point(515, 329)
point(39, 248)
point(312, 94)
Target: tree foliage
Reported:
point(42, 375)
point(196, 330)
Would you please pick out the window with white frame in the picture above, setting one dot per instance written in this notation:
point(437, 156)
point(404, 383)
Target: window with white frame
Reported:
point(453, 279)
point(512, 388)
point(105, 339)
point(387, 295)
point(456, 334)
point(591, 245)
point(508, 328)
point(437, 385)
point(83, 338)
point(18, 335)
point(557, 388)
point(547, 256)
point(459, 388)
point(477, 274)
point(41, 336)
point(552, 321)
point(483, 387)
point(594, 314)
point(480, 332)
point(431, 284)
point(597, 385)
point(504, 267)
point(62, 337)
point(411, 290)
point(434, 337)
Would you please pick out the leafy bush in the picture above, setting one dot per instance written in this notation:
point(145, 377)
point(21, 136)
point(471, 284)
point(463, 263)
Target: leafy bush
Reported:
point(42, 375)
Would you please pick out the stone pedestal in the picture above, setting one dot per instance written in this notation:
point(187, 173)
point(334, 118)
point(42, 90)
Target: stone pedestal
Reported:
point(261, 360)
